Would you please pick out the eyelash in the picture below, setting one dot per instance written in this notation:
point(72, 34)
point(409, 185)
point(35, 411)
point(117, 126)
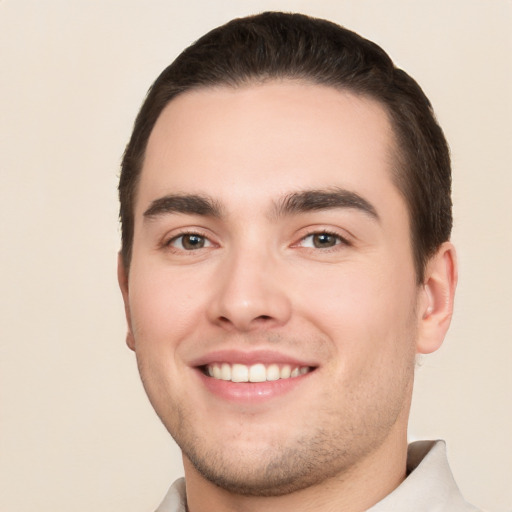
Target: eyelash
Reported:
point(169, 243)
point(339, 241)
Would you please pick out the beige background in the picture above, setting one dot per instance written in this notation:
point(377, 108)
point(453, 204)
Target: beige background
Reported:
point(76, 431)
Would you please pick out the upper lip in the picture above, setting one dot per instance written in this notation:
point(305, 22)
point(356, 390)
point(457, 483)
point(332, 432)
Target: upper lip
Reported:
point(249, 358)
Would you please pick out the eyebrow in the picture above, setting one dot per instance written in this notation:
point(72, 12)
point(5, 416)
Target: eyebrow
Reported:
point(183, 203)
point(294, 203)
point(311, 200)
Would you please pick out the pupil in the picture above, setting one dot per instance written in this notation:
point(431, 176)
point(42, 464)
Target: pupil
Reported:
point(193, 242)
point(324, 240)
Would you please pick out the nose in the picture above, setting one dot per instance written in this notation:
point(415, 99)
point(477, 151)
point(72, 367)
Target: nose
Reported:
point(248, 294)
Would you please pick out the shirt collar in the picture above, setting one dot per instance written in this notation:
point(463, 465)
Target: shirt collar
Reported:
point(429, 486)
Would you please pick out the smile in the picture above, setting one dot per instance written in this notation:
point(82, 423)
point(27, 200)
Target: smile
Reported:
point(254, 373)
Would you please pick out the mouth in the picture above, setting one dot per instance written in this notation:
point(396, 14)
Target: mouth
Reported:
point(259, 372)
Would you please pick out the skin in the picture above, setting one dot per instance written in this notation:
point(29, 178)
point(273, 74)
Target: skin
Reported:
point(262, 277)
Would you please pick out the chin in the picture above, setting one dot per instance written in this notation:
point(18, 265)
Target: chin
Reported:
point(267, 476)
point(273, 469)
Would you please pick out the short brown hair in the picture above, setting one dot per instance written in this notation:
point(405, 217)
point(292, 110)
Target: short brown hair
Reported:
point(276, 45)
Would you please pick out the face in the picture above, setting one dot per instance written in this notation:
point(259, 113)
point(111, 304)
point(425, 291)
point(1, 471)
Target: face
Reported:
point(272, 298)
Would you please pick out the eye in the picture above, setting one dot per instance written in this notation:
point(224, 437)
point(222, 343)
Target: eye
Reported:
point(322, 240)
point(189, 242)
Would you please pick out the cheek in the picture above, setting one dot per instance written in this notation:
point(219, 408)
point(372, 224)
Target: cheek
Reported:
point(362, 309)
point(162, 316)
point(369, 321)
point(163, 307)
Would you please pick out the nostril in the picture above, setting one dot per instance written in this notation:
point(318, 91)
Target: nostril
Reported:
point(245, 323)
point(226, 320)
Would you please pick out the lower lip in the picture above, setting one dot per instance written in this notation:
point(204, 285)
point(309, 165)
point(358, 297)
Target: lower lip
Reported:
point(251, 391)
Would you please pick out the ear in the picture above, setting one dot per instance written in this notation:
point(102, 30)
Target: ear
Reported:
point(122, 278)
point(436, 300)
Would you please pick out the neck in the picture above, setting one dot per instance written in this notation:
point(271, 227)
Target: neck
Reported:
point(356, 490)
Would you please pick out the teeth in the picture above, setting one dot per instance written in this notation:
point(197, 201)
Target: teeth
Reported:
point(285, 372)
point(257, 373)
point(273, 372)
point(239, 373)
point(254, 373)
point(225, 373)
point(216, 372)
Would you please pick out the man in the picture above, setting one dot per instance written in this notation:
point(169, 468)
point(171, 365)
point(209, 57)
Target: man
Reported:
point(286, 214)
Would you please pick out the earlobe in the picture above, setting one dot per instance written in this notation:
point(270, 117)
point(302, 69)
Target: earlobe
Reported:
point(436, 304)
point(122, 278)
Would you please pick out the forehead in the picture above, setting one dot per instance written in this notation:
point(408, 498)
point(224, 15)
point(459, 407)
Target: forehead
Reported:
point(262, 140)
